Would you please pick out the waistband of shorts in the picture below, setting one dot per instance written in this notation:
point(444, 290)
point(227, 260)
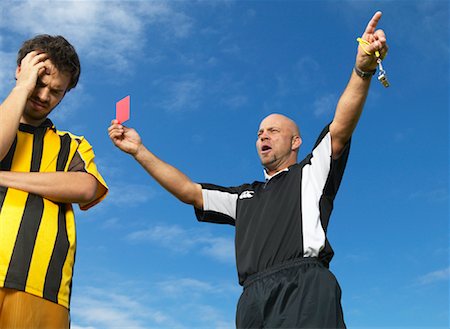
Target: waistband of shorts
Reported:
point(277, 268)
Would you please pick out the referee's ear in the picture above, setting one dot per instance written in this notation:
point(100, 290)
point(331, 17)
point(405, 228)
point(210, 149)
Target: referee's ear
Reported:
point(296, 142)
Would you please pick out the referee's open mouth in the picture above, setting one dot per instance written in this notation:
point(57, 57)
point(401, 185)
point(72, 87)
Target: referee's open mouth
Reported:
point(265, 148)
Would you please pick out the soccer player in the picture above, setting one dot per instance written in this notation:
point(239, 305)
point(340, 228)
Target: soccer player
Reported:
point(42, 172)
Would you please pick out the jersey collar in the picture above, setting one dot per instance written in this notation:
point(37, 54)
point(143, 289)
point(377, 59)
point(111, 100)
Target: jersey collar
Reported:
point(31, 129)
point(269, 177)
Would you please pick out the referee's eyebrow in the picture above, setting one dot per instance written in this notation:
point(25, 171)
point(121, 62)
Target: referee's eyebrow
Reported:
point(268, 129)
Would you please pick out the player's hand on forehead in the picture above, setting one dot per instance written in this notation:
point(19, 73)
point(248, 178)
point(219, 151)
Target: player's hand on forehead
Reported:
point(34, 57)
point(31, 66)
point(37, 59)
point(50, 68)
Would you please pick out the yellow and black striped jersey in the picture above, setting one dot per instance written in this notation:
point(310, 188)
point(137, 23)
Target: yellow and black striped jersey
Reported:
point(37, 236)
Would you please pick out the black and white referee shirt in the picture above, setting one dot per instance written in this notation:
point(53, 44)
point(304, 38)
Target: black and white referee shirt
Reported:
point(284, 218)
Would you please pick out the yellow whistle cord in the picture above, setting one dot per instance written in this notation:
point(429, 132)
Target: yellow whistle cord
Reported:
point(363, 43)
point(382, 77)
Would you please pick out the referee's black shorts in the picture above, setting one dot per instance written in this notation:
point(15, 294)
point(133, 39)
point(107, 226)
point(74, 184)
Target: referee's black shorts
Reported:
point(299, 294)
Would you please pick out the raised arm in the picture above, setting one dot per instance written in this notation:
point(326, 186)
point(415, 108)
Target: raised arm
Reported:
point(351, 102)
point(169, 177)
point(12, 108)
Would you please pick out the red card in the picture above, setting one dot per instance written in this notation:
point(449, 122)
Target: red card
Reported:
point(123, 109)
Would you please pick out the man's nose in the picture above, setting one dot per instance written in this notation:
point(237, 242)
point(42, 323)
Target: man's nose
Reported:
point(263, 136)
point(43, 95)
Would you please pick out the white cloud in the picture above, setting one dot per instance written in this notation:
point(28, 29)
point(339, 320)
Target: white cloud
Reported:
point(7, 70)
point(209, 314)
point(111, 39)
point(129, 194)
point(181, 240)
point(115, 169)
point(227, 45)
point(303, 77)
point(325, 105)
point(98, 308)
point(434, 17)
point(118, 302)
point(112, 223)
point(272, 106)
point(221, 249)
point(356, 258)
point(436, 276)
point(439, 194)
point(178, 286)
point(307, 72)
point(172, 237)
point(189, 286)
point(112, 165)
point(184, 95)
point(236, 101)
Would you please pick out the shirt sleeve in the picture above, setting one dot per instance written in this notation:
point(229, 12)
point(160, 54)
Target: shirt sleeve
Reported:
point(219, 204)
point(326, 171)
point(321, 177)
point(83, 160)
point(337, 169)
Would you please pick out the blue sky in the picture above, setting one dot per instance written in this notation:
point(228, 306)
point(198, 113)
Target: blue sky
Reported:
point(201, 75)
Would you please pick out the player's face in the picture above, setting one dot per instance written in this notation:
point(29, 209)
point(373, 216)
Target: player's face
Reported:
point(277, 142)
point(50, 89)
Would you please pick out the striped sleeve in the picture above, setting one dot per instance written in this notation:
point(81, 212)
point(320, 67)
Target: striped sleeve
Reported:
point(321, 177)
point(83, 160)
point(219, 204)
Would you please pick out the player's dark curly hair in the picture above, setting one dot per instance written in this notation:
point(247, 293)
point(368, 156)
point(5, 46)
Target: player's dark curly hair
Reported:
point(60, 51)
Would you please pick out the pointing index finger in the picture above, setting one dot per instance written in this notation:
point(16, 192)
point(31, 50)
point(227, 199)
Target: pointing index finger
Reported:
point(370, 29)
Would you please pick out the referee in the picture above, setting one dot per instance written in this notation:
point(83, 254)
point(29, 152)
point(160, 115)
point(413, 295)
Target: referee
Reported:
point(282, 252)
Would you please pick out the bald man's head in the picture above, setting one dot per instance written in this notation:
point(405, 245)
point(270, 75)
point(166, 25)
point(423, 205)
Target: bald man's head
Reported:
point(278, 142)
point(282, 120)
